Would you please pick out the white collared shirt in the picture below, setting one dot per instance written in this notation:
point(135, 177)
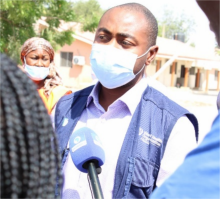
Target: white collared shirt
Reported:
point(111, 127)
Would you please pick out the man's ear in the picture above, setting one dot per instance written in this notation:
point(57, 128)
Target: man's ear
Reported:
point(151, 55)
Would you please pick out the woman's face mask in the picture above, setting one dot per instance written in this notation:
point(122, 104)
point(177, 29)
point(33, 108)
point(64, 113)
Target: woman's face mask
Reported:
point(113, 67)
point(36, 73)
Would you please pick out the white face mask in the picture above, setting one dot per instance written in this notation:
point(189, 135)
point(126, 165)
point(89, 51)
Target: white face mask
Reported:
point(113, 67)
point(35, 72)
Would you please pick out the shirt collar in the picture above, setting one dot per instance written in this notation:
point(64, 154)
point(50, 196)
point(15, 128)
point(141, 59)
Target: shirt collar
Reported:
point(131, 98)
point(94, 95)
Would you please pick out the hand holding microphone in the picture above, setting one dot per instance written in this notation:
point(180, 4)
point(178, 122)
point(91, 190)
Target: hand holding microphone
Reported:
point(88, 156)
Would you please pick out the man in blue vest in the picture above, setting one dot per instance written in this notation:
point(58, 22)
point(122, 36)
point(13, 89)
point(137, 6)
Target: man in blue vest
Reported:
point(145, 135)
point(199, 175)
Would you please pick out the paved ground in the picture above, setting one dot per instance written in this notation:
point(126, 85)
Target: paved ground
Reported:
point(202, 105)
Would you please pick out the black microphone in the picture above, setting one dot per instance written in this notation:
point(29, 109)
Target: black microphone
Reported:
point(88, 156)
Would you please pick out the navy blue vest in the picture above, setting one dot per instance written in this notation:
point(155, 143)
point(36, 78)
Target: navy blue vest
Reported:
point(144, 144)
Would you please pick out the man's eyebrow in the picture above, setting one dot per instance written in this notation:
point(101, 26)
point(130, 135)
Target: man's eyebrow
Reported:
point(104, 30)
point(127, 36)
point(119, 34)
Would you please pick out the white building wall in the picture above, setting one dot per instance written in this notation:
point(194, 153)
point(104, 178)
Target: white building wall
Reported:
point(212, 81)
point(151, 69)
point(167, 77)
point(161, 77)
point(192, 81)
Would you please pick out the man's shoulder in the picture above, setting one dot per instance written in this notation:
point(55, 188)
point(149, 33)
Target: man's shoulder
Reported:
point(67, 101)
point(162, 101)
point(84, 92)
point(78, 98)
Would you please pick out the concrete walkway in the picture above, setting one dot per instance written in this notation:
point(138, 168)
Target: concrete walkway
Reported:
point(201, 104)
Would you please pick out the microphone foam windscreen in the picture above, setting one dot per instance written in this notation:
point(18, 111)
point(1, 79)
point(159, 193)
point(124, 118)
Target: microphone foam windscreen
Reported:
point(84, 146)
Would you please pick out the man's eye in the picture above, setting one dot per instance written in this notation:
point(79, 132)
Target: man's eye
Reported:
point(102, 37)
point(126, 43)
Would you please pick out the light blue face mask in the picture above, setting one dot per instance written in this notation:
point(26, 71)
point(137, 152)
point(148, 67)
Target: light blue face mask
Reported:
point(113, 67)
point(36, 73)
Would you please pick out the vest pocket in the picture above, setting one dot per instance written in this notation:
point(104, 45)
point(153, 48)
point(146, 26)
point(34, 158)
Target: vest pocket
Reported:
point(145, 173)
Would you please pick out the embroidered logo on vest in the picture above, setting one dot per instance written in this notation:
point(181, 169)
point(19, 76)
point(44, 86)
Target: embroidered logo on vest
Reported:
point(148, 138)
point(65, 121)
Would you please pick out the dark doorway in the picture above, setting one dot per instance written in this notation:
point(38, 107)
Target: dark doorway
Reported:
point(182, 73)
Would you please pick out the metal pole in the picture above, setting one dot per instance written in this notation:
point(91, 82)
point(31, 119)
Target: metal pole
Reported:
point(94, 181)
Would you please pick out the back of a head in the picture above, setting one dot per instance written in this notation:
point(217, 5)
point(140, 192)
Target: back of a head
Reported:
point(212, 11)
point(151, 22)
point(218, 101)
point(29, 164)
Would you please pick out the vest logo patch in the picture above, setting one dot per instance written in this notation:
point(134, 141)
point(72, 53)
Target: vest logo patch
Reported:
point(65, 121)
point(148, 138)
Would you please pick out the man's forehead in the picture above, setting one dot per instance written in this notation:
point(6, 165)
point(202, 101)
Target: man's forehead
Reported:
point(119, 12)
point(124, 18)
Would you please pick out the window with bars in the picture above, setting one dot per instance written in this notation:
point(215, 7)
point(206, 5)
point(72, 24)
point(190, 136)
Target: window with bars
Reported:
point(66, 59)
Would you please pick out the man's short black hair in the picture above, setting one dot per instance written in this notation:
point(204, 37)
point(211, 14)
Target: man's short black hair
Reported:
point(152, 27)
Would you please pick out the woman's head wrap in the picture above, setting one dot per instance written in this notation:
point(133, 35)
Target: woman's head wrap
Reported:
point(34, 43)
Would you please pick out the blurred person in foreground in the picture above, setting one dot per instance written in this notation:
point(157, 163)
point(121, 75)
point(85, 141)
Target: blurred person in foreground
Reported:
point(218, 101)
point(142, 131)
point(29, 150)
point(37, 56)
point(199, 175)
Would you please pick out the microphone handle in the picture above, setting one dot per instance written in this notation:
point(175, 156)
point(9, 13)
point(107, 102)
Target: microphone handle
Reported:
point(94, 181)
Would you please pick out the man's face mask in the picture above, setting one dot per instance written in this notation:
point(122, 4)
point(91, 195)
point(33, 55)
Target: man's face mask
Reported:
point(113, 67)
point(36, 73)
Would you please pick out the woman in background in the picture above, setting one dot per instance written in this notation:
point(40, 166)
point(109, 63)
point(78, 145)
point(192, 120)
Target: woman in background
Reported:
point(29, 150)
point(37, 56)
